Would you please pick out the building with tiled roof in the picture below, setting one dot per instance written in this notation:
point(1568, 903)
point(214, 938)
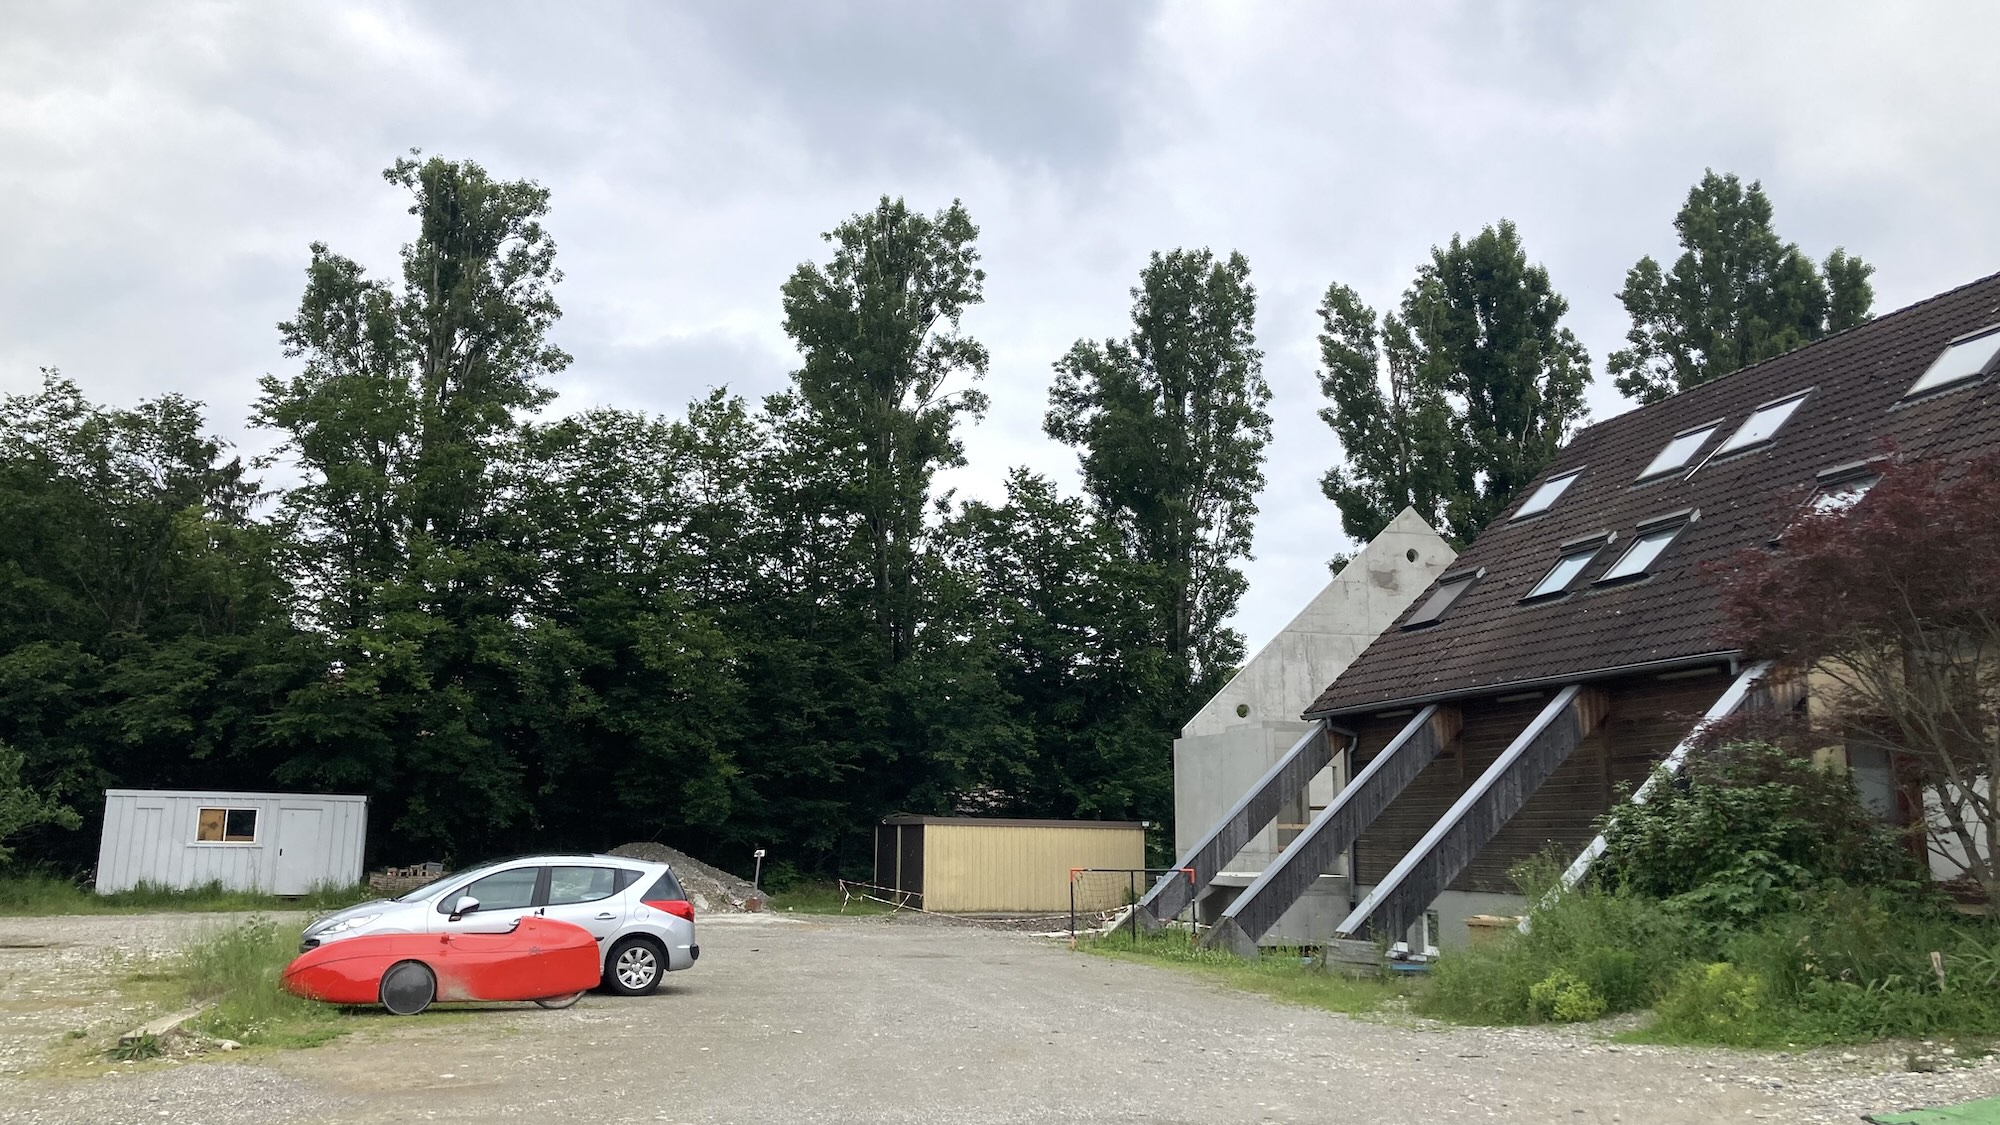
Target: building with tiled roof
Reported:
point(1576, 644)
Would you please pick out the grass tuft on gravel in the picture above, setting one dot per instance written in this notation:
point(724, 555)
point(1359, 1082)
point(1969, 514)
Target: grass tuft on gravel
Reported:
point(40, 894)
point(1282, 974)
point(236, 968)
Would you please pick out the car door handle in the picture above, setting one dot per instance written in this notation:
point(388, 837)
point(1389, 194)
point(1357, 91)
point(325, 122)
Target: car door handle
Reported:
point(606, 917)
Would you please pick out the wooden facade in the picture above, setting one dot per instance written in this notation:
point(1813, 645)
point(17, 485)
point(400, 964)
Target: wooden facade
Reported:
point(1646, 717)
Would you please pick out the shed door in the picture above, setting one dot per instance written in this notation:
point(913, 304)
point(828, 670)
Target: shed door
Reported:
point(298, 851)
point(910, 869)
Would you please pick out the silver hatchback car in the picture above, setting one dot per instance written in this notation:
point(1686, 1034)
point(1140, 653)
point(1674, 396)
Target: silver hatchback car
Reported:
point(643, 922)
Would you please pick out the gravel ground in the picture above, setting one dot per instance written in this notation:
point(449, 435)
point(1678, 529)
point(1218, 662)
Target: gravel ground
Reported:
point(899, 1020)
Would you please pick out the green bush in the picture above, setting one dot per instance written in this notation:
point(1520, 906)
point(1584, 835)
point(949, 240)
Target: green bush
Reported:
point(1561, 997)
point(1620, 946)
point(1753, 901)
point(1747, 832)
point(1713, 1003)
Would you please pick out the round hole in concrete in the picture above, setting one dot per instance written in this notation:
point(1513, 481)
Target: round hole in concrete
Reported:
point(1242, 710)
point(1411, 554)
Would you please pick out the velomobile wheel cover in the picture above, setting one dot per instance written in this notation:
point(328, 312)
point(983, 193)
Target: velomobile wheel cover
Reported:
point(408, 988)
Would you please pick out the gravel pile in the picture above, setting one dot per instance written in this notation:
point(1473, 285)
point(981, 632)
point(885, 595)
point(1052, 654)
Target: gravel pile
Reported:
point(711, 889)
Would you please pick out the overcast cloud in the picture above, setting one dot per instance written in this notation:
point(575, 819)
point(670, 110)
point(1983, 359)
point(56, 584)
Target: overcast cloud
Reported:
point(163, 167)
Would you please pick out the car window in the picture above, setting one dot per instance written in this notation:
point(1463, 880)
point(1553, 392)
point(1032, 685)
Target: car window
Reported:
point(664, 889)
point(513, 889)
point(581, 884)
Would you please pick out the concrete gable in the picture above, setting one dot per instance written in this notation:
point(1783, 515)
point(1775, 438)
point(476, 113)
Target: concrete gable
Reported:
point(1366, 597)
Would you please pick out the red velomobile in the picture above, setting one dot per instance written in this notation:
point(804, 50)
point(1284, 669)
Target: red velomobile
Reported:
point(540, 959)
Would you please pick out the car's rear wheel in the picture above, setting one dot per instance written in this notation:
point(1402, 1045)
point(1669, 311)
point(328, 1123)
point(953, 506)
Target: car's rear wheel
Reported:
point(408, 988)
point(559, 1002)
point(634, 967)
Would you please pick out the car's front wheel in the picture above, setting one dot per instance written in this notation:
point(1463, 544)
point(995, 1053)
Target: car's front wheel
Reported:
point(634, 967)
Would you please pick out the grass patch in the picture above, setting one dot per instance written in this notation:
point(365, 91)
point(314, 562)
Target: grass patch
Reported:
point(236, 968)
point(40, 894)
point(1282, 974)
point(824, 898)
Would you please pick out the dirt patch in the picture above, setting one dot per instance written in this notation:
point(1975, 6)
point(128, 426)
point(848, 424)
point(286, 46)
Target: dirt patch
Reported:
point(711, 889)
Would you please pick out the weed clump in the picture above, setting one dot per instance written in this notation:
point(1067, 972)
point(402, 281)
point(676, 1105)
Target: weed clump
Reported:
point(235, 970)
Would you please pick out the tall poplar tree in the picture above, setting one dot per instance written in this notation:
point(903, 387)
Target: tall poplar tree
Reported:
point(1456, 401)
point(1738, 294)
point(887, 373)
point(1170, 426)
point(407, 395)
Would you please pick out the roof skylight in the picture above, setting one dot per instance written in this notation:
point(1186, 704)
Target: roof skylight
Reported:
point(1762, 425)
point(1841, 487)
point(1842, 496)
point(1449, 590)
point(1966, 358)
point(1546, 496)
point(1646, 548)
point(1681, 450)
point(1565, 571)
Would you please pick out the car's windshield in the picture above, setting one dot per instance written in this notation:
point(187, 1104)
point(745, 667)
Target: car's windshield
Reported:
point(430, 890)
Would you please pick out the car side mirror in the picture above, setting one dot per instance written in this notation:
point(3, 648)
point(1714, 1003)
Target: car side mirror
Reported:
point(466, 904)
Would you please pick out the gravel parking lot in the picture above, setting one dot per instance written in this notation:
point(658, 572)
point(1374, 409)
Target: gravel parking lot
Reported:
point(902, 1020)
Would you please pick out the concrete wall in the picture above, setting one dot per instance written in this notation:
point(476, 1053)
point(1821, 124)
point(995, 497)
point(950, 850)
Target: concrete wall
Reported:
point(1290, 671)
point(1212, 771)
point(1309, 921)
point(300, 841)
point(1454, 907)
point(1220, 752)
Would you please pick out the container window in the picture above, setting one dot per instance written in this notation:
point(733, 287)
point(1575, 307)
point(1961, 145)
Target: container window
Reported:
point(226, 826)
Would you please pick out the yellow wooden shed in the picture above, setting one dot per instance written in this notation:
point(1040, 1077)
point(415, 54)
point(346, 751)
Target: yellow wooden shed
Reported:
point(966, 864)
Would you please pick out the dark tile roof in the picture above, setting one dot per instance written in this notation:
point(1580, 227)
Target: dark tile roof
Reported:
point(1490, 638)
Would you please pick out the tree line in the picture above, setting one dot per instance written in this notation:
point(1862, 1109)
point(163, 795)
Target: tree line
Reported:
point(760, 623)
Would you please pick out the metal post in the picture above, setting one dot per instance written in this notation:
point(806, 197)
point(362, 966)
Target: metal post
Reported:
point(1132, 904)
point(1072, 908)
point(757, 877)
point(1192, 924)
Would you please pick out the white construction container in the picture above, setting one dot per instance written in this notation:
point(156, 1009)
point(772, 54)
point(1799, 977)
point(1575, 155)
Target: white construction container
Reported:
point(277, 843)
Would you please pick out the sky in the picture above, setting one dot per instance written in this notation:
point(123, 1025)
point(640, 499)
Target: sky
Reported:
point(164, 167)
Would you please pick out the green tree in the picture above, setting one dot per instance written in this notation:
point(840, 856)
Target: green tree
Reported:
point(407, 394)
point(879, 328)
point(627, 694)
point(1394, 424)
point(1738, 294)
point(23, 807)
point(138, 605)
point(1072, 636)
point(1468, 394)
point(1170, 427)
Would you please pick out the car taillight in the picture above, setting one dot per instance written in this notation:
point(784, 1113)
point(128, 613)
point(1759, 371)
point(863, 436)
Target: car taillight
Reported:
point(679, 907)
